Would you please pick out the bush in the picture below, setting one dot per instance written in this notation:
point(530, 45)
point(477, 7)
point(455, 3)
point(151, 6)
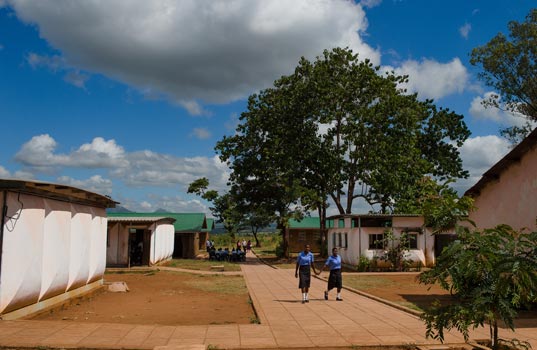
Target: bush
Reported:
point(364, 264)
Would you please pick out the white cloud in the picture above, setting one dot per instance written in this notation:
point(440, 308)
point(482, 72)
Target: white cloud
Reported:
point(465, 30)
point(139, 168)
point(4, 173)
point(432, 79)
point(497, 115)
point(195, 51)
point(96, 184)
point(20, 175)
point(39, 153)
point(147, 168)
point(53, 63)
point(76, 79)
point(153, 202)
point(201, 133)
point(478, 155)
point(370, 3)
point(146, 206)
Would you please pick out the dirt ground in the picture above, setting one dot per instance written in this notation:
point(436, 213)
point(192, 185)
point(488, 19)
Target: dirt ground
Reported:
point(405, 290)
point(165, 298)
point(401, 289)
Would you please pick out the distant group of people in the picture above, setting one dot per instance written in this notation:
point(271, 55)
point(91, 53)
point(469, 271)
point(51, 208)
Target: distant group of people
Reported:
point(237, 253)
point(226, 254)
point(245, 245)
point(304, 265)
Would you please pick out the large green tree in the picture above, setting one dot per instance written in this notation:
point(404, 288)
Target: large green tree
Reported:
point(337, 128)
point(510, 66)
point(268, 155)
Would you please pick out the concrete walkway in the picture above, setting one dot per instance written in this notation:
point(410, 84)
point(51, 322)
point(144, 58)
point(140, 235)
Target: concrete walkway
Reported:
point(285, 323)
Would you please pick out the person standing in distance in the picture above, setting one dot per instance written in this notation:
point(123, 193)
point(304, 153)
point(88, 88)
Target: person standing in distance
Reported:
point(334, 280)
point(304, 264)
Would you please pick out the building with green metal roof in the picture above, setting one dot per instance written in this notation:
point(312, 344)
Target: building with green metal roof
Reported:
point(305, 231)
point(190, 231)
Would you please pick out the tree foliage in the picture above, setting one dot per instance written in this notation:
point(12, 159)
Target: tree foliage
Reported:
point(439, 203)
point(339, 128)
point(224, 206)
point(490, 274)
point(510, 66)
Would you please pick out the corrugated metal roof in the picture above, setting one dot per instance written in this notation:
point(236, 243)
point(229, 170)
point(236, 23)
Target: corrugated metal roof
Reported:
point(512, 157)
point(184, 222)
point(307, 222)
point(57, 191)
point(210, 225)
point(341, 216)
point(139, 219)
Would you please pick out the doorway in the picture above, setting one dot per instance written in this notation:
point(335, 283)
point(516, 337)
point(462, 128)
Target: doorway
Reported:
point(139, 247)
point(441, 241)
point(178, 246)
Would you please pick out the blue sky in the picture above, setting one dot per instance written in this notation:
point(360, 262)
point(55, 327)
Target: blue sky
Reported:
point(128, 98)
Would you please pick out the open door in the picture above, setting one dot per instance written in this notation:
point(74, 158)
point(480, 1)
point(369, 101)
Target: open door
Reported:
point(147, 247)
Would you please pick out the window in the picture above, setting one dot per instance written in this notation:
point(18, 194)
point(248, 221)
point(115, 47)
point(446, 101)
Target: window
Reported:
point(375, 241)
point(333, 240)
point(340, 240)
point(412, 241)
point(341, 223)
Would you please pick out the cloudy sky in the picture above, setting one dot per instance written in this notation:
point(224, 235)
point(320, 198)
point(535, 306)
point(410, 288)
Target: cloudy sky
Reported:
point(128, 97)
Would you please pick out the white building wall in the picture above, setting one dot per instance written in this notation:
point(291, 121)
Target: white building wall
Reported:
point(58, 228)
point(162, 241)
point(358, 240)
point(49, 247)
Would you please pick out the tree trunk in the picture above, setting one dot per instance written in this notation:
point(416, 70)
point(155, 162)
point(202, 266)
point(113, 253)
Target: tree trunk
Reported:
point(495, 335)
point(254, 233)
point(322, 227)
point(285, 240)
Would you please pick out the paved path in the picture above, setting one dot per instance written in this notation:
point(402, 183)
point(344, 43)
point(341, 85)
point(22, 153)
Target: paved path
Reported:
point(285, 323)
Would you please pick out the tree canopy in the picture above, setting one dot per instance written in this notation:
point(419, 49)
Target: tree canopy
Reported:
point(510, 66)
point(338, 128)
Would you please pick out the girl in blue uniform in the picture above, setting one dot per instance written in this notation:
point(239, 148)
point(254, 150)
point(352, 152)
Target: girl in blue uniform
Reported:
point(334, 280)
point(304, 262)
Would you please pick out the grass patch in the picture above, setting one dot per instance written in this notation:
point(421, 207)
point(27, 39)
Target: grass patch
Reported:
point(369, 282)
point(219, 284)
point(202, 265)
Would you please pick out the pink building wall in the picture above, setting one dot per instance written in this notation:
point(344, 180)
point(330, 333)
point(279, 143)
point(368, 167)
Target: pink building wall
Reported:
point(512, 198)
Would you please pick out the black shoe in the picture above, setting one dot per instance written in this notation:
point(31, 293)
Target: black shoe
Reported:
point(303, 301)
point(339, 299)
point(325, 295)
point(307, 300)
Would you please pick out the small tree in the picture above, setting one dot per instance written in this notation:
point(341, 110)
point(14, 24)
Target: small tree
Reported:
point(224, 207)
point(396, 250)
point(490, 275)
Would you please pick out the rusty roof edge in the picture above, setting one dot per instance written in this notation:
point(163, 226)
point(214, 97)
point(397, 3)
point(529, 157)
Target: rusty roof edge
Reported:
point(38, 188)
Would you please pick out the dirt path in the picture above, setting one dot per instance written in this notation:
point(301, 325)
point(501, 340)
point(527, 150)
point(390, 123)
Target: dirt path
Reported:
point(165, 298)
